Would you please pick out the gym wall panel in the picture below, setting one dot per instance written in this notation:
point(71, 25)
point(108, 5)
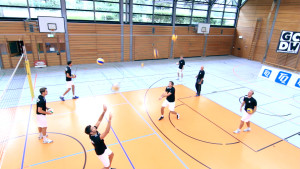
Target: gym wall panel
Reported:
point(288, 18)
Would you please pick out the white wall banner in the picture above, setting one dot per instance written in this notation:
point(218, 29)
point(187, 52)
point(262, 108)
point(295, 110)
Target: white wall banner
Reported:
point(289, 42)
point(280, 76)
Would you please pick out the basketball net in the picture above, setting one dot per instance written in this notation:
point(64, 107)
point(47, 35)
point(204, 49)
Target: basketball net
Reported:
point(52, 32)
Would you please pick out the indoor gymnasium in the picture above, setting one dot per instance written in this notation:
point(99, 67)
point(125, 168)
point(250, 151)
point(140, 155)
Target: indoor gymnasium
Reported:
point(149, 84)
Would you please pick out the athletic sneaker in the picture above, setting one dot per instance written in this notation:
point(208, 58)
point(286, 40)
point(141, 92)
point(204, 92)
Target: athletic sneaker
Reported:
point(247, 129)
point(178, 116)
point(237, 131)
point(62, 98)
point(161, 117)
point(41, 137)
point(75, 97)
point(47, 141)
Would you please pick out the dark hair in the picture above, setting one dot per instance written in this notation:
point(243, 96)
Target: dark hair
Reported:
point(69, 62)
point(42, 90)
point(87, 129)
point(172, 83)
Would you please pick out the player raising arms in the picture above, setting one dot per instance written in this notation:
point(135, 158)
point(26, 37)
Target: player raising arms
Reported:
point(104, 154)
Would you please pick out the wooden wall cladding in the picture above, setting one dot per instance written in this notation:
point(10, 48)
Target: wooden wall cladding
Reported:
point(89, 41)
point(288, 18)
point(15, 31)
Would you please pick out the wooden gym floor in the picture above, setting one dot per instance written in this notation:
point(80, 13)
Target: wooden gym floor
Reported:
point(202, 138)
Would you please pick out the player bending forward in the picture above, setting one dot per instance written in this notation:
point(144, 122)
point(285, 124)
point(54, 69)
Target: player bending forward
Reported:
point(104, 154)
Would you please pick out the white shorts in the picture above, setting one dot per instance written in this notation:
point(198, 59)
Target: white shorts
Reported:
point(246, 117)
point(104, 157)
point(70, 84)
point(170, 104)
point(180, 70)
point(41, 120)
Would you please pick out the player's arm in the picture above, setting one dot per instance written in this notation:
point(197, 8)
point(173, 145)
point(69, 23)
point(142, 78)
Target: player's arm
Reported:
point(40, 110)
point(254, 110)
point(101, 116)
point(103, 135)
point(68, 76)
point(242, 105)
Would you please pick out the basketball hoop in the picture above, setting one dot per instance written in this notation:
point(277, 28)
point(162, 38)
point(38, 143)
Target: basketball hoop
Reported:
point(52, 32)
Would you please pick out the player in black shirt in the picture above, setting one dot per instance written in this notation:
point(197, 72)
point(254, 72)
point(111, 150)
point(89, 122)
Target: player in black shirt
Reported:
point(70, 84)
point(199, 80)
point(251, 103)
point(97, 139)
point(181, 64)
point(170, 101)
point(41, 111)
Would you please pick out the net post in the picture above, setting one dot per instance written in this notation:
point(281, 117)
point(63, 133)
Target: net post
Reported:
point(27, 66)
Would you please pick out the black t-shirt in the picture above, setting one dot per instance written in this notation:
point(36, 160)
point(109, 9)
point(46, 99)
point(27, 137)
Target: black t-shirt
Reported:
point(181, 63)
point(68, 70)
point(99, 144)
point(249, 103)
point(171, 98)
point(41, 102)
point(200, 76)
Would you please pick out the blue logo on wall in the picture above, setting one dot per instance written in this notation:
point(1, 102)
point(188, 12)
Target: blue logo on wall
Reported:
point(267, 73)
point(298, 83)
point(283, 78)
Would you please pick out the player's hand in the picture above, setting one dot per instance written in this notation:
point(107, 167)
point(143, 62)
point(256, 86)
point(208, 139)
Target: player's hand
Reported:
point(110, 116)
point(240, 109)
point(104, 108)
point(159, 98)
point(74, 76)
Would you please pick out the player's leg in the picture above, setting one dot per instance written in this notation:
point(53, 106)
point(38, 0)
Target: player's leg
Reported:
point(73, 91)
point(162, 109)
point(240, 126)
point(111, 157)
point(197, 89)
point(69, 86)
point(178, 74)
point(248, 126)
point(40, 133)
point(106, 158)
point(181, 74)
point(172, 109)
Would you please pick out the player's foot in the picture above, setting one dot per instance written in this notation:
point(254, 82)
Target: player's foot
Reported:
point(247, 129)
point(75, 97)
point(197, 95)
point(178, 116)
point(47, 141)
point(161, 117)
point(237, 131)
point(41, 137)
point(62, 98)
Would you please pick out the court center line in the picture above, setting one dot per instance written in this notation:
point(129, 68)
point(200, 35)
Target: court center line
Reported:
point(82, 152)
point(154, 130)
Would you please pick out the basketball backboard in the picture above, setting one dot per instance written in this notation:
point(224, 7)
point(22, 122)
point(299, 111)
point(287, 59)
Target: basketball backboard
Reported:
point(51, 24)
point(203, 28)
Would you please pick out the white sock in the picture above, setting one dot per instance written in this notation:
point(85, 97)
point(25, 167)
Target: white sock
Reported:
point(162, 115)
point(62, 96)
point(41, 134)
point(73, 95)
point(238, 129)
point(44, 138)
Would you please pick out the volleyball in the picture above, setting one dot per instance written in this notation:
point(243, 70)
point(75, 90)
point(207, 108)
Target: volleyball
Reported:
point(115, 87)
point(174, 37)
point(50, 110)
point(100, 61)
point(155, 53)
point(249, 111)
point(142, 64)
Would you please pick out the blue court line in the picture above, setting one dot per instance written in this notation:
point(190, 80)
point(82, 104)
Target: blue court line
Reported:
point(121, 146)
point(26, 137)
point(86, 151)
point(154, 131)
